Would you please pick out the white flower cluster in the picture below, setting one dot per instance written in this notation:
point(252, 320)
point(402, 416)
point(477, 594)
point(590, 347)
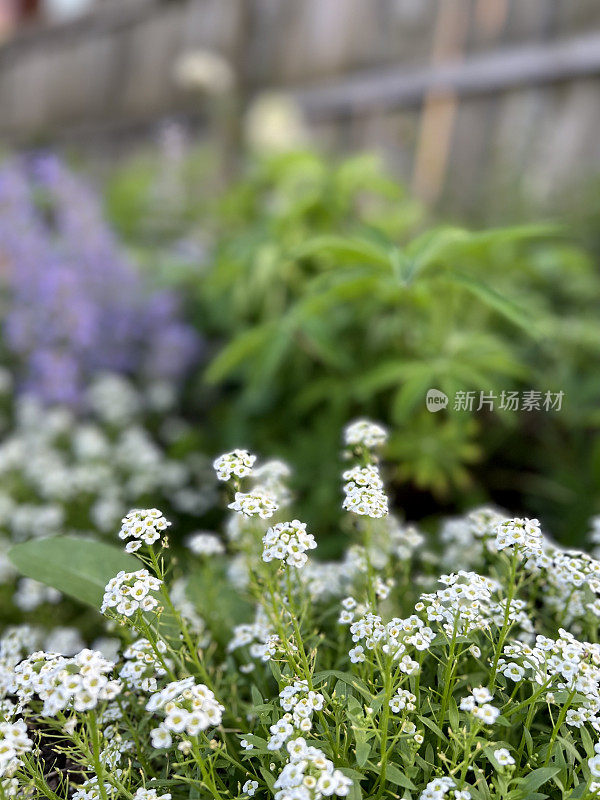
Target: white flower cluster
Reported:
point(272, 477)
point(204, 543)
point(525, 535)
point(150, 794)
point(364, 492)
point(392, 639)
point(258, 636)
point(14, 742)
point(366, 501)
point(90, 789)
point(478, 704)
point(572, 576)
point(30, 594)
point(300, 703)
point(404, 540)
point(364, 433)
point(465, 604)
point(129, 592)
point(188, 707)
point(81, 682)
point(309, 775)
point(325, 579)
point(238, 463)
point(255, 503)
point(563, 663)
point(403, 699)
point(52, 460)
point(144, 526)
point(465, 539)
point(438, 788)
point(143, 666)
point(288, 541)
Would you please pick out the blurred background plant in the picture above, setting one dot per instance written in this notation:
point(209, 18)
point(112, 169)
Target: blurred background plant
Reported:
point(73, 303)
point(327, 293)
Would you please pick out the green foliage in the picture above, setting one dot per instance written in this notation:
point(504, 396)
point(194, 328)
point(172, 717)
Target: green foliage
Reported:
point(331, 299)
point(77, 566)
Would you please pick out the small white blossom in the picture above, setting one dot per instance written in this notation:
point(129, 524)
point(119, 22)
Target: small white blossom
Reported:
point(365, 433)
point(288, 542)
point(144, 526)
point(255, 503)
point(238, 463)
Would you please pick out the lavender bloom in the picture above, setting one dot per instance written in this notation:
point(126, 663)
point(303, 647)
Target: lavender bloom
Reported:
point(74, 303)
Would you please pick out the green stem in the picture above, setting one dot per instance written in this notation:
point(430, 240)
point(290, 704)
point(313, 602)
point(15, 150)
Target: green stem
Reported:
point(556, 728)
point(97, 763)
point(506, 623)
point(449, 668)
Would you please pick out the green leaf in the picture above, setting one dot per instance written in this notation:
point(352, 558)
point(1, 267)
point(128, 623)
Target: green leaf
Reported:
point(432, 726)
point(363, 748)
point(361, 250)
point(394, 775)
point(74, 565)
point(537, 778)
point(503, 305)
point(244, 346)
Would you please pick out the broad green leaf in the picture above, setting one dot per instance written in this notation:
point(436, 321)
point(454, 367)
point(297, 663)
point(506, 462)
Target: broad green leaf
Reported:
point(361, 250)
point(503, 305)
point(363, 748)
point(74, 565)
point(537, 778)
point(244, 346)
point(395, 775)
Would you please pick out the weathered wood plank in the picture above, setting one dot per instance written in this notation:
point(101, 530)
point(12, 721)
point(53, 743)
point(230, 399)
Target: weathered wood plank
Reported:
point(492, 72)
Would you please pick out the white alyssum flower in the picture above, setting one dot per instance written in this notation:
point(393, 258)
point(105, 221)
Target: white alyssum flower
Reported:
point(525, 535)
point(438, 788)
point(288, 542)
point(366, 502)
point(143, 666)
point(364, 433)
point(150, 794)
point(250, 788)
point(188, 708)
point(14, 742)
point(144, 526)
point(255, 503)
point(204, 543)
point(503, 757)
point(364, 492)
point(594, 761)
point(300, 702)
point(238, 463)
point(81, 682)
point(403, 699)
point(477, 703)
point(129, 592)
point(309, 775)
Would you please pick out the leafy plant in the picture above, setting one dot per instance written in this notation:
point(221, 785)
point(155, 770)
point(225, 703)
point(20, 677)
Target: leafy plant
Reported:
point(366, 677)
point(329, 302)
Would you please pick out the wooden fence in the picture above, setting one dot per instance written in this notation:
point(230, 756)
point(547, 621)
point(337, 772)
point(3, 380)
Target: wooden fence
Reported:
point(471, 101)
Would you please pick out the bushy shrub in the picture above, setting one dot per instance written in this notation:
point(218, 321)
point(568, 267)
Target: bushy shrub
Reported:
point(300, 679)
point(332, 298)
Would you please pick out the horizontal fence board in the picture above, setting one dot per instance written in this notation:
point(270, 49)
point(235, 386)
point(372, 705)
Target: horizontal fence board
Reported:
point(492, 72)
